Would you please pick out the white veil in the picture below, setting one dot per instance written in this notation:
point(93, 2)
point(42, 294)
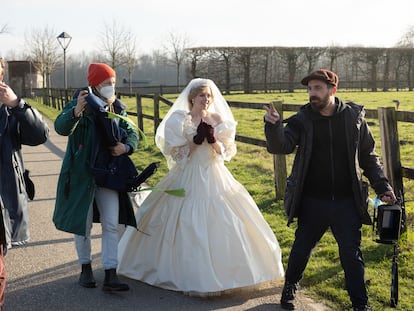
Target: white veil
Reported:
point(219, 105)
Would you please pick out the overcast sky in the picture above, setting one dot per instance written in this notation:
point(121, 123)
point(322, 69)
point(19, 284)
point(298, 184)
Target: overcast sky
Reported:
point(376, 23)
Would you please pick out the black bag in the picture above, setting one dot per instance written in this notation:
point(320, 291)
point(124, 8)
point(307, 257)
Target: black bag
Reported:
point(120, 173)
point(30, 187)
point(116, 173)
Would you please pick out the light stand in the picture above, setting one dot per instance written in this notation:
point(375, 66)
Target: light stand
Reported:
point(64, 39)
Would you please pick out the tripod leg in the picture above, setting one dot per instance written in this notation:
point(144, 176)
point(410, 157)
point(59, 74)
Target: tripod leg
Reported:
point(394, 278)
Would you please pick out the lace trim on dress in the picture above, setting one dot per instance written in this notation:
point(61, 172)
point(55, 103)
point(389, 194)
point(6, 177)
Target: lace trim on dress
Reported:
point(225, 133)
point(180, 154)
point(189, 128)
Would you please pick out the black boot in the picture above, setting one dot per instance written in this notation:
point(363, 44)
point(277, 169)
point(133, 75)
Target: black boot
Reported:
point(112, 283)
point(86, 278)
point(288, 295)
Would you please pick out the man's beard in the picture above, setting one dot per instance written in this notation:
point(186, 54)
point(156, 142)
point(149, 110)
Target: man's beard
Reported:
point(318, 104)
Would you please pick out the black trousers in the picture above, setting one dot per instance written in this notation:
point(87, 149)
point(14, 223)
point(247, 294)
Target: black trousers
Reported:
point(314, 219)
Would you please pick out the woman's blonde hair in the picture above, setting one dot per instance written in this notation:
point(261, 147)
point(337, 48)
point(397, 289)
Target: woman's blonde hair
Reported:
point(2, 66)
point(197, 89)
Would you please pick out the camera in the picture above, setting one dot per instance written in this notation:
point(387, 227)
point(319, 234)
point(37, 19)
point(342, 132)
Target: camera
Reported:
point(388, 223)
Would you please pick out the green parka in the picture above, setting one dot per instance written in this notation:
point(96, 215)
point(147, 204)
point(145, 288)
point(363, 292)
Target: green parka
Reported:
point(76, 185)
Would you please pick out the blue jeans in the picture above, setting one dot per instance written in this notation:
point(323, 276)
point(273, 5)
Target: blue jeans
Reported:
point(108, 205)
point(315, 217)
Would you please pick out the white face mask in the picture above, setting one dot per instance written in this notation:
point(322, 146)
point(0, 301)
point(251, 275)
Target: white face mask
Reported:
point(107, 91)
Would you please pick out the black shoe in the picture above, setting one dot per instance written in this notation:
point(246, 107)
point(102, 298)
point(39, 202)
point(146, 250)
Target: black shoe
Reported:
point(288, 295)
point(362, 308)
point(86, 278)
point(112, 283)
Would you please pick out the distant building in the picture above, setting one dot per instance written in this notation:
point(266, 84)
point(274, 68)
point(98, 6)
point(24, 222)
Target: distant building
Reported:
point(24, 77)
point(135, 82)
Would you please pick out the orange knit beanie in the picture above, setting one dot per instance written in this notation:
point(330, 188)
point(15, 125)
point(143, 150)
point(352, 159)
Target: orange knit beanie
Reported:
point(99, 72)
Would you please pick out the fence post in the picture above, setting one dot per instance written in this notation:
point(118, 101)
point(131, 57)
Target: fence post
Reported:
point(390, 148)
point(279, 163)
point(54, 99)
point(61, 101)
point(140, 118)
point(156, 112)
point(66, 98)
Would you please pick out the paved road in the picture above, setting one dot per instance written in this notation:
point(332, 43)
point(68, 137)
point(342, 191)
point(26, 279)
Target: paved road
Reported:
point(43, 274)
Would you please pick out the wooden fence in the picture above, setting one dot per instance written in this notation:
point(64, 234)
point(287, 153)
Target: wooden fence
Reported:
point(388, 119)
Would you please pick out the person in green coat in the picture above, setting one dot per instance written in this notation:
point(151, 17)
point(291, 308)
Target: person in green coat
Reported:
point(79, 200)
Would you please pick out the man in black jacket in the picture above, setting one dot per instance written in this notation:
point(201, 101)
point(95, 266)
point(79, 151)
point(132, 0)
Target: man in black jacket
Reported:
point(334, 145)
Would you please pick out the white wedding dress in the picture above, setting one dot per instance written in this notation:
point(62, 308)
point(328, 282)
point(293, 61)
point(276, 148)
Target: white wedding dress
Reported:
point(213, 239)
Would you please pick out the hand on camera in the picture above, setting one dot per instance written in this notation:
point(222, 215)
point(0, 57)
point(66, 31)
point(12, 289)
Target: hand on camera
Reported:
point(388, 197)
point(81, 104)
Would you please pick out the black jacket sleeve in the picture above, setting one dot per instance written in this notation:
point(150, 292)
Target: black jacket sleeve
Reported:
point(32, 129)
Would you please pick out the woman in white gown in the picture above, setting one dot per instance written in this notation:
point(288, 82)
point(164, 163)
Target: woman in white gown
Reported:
point(215, 237)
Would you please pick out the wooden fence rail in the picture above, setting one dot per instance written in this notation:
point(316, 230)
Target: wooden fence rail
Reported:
point(388, 119)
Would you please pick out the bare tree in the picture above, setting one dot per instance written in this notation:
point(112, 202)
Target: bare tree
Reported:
point(43, 49)
point(407, 39)
point(353, 61)
point(291, 58)
point(227, 56)
point(387, 66)
point(264, 57)
point(113, 40)
point(333, 53)
point(195, 55)
point(407, 42)
point(400, 63)
point(245, 56)
point(131, 60)
point(178, 44)
point(4, 29)
point(312, 55)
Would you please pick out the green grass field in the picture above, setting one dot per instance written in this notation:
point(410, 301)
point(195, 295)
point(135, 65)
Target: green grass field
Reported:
point(253, 167)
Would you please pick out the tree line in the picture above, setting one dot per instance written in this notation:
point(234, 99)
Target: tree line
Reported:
point(251, 68)
point(358, 67)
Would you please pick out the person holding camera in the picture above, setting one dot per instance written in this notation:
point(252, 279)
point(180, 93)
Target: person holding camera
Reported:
point(80, 199)
point(334, 146)
point(20, 124)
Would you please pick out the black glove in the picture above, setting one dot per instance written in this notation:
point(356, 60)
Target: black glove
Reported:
point(201, 133)
point(211, 139)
